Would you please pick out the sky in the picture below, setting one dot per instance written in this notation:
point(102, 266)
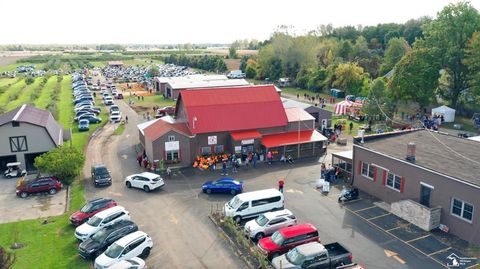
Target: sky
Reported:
point(191, 21)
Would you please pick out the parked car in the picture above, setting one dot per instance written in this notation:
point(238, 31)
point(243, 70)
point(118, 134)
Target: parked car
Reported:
point(102, 219)
point(168, 110)
point(252, 204)
point(100, 175)
point(130, 246)
point(314, 256)
point(115, 116)
point(90, 117)
point(14, 170)
point(114, 108)
point(133, 263)
point(91, 208)
point(146, 181)
point(108, 101)
point(83, 103)
point(223, 185)
point(268, 223)
point(93, 108)
point(101, 240)
point(119, 96)
point(83, 125)
point(287, 238)
point(27, 186)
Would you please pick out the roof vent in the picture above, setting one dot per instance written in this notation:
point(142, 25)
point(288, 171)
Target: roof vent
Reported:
point(411, 152)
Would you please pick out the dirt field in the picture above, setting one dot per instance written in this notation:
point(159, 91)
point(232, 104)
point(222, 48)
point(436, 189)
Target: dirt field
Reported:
point(134, 89)
point(239, 52)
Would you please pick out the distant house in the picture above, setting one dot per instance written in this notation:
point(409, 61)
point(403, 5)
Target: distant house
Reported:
point(323, 117)
point(27, 132)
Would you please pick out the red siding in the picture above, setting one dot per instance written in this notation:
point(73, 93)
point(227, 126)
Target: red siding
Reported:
point(375, 174)
point(359, 167)
point(384, 177)
point(402, 184)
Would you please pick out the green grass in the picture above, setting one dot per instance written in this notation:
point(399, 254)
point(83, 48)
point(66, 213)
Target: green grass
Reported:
point(149, 101)
point(119, 130)
point(6, 81)
point(11, 90)
point(24, 96)
point(46, 94)
point(13, 67)
point(65, 105)
point(467, 124)
point(98, 64)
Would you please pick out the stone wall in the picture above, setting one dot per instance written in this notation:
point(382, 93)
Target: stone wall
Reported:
point(413, 212)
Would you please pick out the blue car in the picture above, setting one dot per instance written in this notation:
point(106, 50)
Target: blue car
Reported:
point(83, 125)
point(223, 185)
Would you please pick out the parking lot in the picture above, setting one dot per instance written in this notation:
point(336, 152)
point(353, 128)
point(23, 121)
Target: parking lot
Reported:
point(176, 216)
point(14, 208)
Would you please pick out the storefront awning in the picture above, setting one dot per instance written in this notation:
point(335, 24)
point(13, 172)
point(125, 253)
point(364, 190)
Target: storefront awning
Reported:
point(292, 138)
point(248, 134)
point(344, 155)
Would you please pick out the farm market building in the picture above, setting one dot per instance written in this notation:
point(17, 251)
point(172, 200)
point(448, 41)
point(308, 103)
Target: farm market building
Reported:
point(231, 120)
point(27, 132)
point(435, 182)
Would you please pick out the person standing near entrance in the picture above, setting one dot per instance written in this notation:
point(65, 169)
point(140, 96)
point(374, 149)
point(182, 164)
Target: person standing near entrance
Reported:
point(255, 159)
point(224, 168)
point(269, 157)
point(281, 182)
point(351, 127)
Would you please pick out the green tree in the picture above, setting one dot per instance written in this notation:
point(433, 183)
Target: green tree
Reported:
point(416, 77)
point(472, 61)
point(154, 71)
point(251, 69)
point(376, 97)
point(449, 34)
point(7, 259)
point(232, 52)
point(64, 162)
point(349, 77)
point(396, 48)
point(345, 50)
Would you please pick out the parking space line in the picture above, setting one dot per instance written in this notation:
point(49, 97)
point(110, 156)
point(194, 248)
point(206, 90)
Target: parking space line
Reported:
point(398, 259)
point(418, 238)
point(353, 201)
point(389, 230)
point(379, 216)
point(436, 252)
point(365, 208)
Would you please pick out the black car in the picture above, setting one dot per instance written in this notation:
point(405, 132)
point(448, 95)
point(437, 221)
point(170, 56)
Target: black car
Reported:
point(90, 117)
point(101, 175)
point(99, 242)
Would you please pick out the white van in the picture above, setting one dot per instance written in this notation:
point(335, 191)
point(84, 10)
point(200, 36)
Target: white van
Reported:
point(252, 204)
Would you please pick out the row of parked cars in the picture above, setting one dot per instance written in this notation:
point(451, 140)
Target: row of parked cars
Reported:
point(85, 110)
point(280, 237)
point(109, 236)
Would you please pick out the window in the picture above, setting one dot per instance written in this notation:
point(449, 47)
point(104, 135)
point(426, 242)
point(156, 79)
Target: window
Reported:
point(368, 170)
point(18, 143)
point(171, 138)
point(276, 221)
point(306, 146)
point(266, 201)
point(462, 209)
point(15, 124)
point(172, 155)
point(206, 150)
point(394, 181)
point(219, 149)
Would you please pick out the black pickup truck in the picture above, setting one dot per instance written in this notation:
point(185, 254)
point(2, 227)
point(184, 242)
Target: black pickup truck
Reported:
point(314, 256)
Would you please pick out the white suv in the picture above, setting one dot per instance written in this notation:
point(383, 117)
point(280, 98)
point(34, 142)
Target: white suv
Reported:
point(115, 116)
point(146, 181)
point(135, 244)
point(99, 220)
point(268, 223)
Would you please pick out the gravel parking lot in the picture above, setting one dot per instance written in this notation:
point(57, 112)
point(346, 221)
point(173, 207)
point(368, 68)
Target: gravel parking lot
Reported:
point(14, 208)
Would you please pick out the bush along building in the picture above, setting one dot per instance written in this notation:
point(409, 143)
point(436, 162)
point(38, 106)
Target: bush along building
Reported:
point(428, 178)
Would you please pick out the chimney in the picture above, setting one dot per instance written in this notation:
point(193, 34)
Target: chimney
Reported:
point(411, 152)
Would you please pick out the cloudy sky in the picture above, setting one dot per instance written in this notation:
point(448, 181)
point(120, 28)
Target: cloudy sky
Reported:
point(191, 21)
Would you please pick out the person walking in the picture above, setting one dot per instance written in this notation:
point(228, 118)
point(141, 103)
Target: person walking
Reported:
point(126, 119)
point(255, 159)
point(351, 127)
point(224, 169)
point(281, 183)
point(139, 160)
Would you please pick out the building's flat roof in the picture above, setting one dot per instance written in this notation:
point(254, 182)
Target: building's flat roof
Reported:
point(196, 77)
point(344, 154)
point(297, 114)
point(442, 153)
point(288, 103)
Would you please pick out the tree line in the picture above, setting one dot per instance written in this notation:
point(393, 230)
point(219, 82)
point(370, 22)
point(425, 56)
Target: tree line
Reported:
point(212, 63)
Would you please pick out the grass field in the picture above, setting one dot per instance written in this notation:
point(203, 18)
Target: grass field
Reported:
point(467, 124)
point(23, 95)
point(146, 105)
point(6, 81)
point(4, 97)
point(46, 93)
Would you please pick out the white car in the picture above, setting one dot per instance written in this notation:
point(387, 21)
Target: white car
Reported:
point(108, 101)
point(115, 116)
point(146, 181)
point(133, 263)
point(135, 244)
point(101, 219)
point(268, 223)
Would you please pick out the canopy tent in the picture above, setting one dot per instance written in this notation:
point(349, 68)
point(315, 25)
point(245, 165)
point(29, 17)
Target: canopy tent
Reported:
point(344, 106)
point(447, 112)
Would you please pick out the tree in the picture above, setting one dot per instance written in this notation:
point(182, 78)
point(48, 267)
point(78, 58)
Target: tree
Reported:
point(64, 162)
point(396, 48)
point(154, 71)
point(416, 77)
point(376, 97)
point(349, 77)
point(345, 50)
point(472, 61)
point(232, 52)
point(7, 259)
point(449, 34)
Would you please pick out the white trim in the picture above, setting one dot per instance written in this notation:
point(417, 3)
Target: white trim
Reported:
point(368, 171)
point(461, 211)
point(393, 187)
point(426, 185)
point(15, 118)
point(418, 166)
point(381, 167)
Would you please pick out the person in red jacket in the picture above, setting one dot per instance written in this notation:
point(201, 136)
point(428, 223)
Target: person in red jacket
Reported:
point(281, 182)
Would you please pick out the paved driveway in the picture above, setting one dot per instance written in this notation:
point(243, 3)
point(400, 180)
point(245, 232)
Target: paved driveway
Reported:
point(14, 208)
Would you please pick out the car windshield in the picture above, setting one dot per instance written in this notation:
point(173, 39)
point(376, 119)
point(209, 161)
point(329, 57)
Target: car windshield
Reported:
point(101, 171)
point(86, 208)
point(278, 238)
point(94, 221)
point(295, 257)
point(156, 179)
point(113, 251)
point(261, 220)
point(235, 202)
point(100, 235)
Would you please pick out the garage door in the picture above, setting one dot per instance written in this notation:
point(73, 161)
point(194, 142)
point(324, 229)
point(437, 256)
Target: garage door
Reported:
point(6, 159)
point(30, 160)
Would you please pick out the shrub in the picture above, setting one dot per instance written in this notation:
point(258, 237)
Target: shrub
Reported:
point(29, 80)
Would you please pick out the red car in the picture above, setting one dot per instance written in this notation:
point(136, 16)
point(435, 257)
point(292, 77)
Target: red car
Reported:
point(119, 96)
point(91, 208)
point(168, 110)
point(49, 184)
point(287, 238)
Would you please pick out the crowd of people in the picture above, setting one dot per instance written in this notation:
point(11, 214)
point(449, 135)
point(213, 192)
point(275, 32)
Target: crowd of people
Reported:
point(317, 99)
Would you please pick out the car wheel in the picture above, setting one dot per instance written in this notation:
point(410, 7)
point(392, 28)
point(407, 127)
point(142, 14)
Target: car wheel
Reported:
point(24, 195)
point(145, 252)
point(237, 219)
point(129, 185)
point(233, 192)
point(259, 236)
point(146, 188)
point(209, 191)
point(52, 191)
point(9, 176)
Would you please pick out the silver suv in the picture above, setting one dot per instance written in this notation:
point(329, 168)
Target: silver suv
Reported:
point(268, 223)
